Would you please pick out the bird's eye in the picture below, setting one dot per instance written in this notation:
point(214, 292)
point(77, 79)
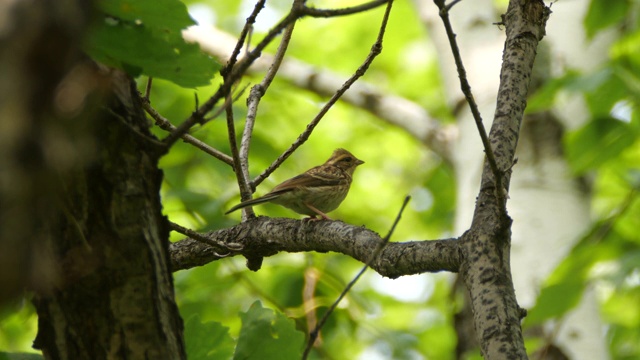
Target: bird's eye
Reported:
point(347, 159)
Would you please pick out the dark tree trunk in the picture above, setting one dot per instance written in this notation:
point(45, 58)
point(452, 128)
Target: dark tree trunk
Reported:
point(80, 212)
point(114, 293)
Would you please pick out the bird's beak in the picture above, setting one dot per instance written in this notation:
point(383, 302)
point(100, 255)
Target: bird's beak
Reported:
point(359, 162)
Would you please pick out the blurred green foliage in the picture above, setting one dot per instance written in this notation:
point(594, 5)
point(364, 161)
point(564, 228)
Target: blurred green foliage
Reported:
point(607, 150)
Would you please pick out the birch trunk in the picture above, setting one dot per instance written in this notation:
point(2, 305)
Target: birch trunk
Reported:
point(549, 207)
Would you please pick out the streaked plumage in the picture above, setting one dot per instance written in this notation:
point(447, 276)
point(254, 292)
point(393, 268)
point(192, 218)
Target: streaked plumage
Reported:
point(317, 191)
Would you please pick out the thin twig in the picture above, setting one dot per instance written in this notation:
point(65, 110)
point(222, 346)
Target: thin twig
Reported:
point(234, 98)
point(452, 4)
point(376, 49)
point(147, 90)
point(314, 334)
point(234, 70)
point(466, 90)
point(228, 247)
point(243, 182)
point(282, 49)
point(149, 139)
point(248, 42)
point(252, 109)
point(166, 125)
point(256, 95)
point(231, 76)
point(248, 25)
point(326, 13)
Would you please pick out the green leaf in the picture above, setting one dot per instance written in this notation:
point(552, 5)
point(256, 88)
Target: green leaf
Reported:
point(266, 334)
point(564, 287)
point(610, 90)
point(140, 38)
point(151, 13)
point(598, 141)
point(602, 87)
point(604, 13)
point(623, 308)
point(555, 300)
point(544, 98)
point(208, 340)
point(626, 48)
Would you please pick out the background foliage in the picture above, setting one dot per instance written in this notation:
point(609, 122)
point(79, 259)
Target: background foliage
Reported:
point(407, 318)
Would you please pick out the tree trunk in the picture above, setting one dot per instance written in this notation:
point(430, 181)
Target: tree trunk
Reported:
point(114, 293)
point(80, 211)
point(550, 208)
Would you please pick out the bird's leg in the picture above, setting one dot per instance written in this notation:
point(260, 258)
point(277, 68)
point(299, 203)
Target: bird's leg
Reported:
point(313, 208)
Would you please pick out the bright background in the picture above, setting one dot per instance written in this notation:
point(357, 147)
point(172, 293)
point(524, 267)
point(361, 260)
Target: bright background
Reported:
point(410, 317)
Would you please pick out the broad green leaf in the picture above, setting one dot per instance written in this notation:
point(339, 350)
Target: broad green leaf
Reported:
point(609, 91)
point(627, 47)
point(597, 142)
point(624, 342)
point(623, 308)
point(266, 334)
point(136, 50)
point(168, 16)
point(544, 98)
point(209, 340)
point(603, 88)
point(555, 300)
point(604, 13)
point(565, 285)
point(144, 37)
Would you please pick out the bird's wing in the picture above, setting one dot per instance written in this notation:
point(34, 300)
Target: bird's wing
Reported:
point(307, 180)
point(312, 178)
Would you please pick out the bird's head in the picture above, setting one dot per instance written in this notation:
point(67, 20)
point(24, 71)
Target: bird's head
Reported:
point(344, 160)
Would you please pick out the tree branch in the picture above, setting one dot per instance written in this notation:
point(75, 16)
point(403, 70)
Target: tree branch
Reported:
point(234, 70)
point(466, 90)
point(487, 245)
point(313, 335)
point(376, 49)
point(264, 236)
point(396, 110)
point(231, 75)
point(256, 94)
point(325, 13)
point(166, 125)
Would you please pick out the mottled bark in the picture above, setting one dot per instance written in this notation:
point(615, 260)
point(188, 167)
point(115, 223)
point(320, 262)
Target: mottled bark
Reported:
point(487, 244)
point(266, 236)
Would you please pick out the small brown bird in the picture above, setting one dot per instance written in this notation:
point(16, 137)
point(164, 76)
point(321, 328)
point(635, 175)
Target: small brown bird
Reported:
point(315, 192)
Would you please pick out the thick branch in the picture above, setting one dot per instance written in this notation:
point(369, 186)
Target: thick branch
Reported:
point(266, 236)
point(525, 26)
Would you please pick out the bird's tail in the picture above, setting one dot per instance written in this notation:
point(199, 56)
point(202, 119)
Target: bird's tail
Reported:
point(252, 202)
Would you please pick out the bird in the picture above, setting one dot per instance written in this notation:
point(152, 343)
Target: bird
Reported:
point(315, 192)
